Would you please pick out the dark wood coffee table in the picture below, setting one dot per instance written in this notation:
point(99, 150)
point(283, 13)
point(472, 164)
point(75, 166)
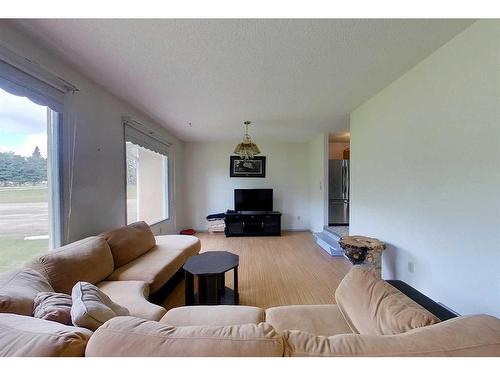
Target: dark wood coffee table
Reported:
point(210, 267)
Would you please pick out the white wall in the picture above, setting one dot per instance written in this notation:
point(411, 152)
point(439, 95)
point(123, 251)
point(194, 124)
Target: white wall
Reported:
point(425, 172)
point(209, 189)
point(98, 199)
point(318, 185)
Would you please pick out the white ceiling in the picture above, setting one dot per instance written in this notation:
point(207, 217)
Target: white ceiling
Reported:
point(292, 78)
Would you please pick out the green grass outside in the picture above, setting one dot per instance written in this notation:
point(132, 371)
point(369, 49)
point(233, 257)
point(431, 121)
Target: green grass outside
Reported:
point(24, 194)
point(131, 191)
point(39, 194)
point(14, 252)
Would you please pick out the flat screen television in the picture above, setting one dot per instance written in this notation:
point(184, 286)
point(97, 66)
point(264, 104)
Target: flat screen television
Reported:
point(253, 199)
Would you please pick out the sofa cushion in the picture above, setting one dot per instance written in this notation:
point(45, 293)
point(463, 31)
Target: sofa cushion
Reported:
point(213, 315)
point(18, 290)
point(89, 260)
point(325, 320)
point(92, 307)
point(133, 295)
point(28, 336)
point(53, 306)
point(129, 242)
point(475, 335)
point(134, 337)
point(372, 306)
point(159, 264)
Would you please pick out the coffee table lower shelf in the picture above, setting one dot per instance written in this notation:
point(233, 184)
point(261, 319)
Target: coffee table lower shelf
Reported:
point(228, 297)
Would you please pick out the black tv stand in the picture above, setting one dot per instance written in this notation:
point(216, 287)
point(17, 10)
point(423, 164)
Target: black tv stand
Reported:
point(253, 223)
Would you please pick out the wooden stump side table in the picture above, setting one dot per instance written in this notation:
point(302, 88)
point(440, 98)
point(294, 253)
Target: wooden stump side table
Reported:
point(365, 251)
point(210, 269)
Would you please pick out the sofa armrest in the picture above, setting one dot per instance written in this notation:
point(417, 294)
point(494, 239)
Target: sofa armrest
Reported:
point(466, 336)
point(25, 336)
point(438, 310)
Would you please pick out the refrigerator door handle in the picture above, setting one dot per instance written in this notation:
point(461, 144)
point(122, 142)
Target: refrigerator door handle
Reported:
point(343, 180)
point(347, 178)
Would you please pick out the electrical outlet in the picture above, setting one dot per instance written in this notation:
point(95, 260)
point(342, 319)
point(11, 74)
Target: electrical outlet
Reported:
point(411, 267)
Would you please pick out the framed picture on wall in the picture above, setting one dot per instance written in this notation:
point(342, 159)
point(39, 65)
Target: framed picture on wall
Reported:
point(255, 167)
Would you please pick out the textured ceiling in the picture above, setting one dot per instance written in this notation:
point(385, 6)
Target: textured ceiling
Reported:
point(292, 78)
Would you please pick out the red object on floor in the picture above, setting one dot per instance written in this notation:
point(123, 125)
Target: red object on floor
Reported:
point(188, 232)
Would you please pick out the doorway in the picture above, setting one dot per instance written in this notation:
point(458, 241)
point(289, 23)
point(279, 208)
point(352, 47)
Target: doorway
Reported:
point(339, 183)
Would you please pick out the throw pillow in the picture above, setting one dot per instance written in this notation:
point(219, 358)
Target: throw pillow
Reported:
point(53, 306)
point(18, 289)
point(91, 307)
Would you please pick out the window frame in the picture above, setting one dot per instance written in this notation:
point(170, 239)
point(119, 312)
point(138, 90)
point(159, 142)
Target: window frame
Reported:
point(55, 179)
point(167, 186)
point(20, 76)
point(53, 131)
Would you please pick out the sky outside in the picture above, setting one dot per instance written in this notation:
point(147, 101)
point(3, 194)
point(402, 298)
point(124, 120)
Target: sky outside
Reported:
point(23, 125)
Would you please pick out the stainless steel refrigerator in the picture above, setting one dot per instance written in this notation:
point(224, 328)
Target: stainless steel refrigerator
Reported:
point(338, 192)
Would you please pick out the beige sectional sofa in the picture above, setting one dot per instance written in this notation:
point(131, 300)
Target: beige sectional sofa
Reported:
point(372, 318)
point(128, 264)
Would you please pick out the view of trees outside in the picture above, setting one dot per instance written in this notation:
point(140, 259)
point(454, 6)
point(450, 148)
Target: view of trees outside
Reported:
point(24, 219)
point(17, 170)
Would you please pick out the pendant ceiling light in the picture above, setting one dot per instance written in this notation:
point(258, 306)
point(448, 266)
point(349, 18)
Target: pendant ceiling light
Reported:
point(247, 149)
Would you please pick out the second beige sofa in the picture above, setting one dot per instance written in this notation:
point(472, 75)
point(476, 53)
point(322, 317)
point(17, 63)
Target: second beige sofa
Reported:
point(372, 318)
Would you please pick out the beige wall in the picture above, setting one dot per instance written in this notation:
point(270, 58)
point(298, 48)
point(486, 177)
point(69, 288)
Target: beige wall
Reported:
point(425, 175)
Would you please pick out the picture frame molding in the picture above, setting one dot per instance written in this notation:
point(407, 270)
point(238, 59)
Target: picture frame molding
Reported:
point(233, 173)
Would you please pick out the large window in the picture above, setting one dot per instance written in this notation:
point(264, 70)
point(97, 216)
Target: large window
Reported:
point(29, 220)
point(147, 178)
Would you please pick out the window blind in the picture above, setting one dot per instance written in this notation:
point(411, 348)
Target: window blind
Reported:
point(144, 138)
point(21, 77)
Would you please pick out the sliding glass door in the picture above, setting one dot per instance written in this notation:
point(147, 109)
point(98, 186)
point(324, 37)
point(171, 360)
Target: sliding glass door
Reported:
point(29, 180)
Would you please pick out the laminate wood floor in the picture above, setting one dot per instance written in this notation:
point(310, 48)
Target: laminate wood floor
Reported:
point(274, 271)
